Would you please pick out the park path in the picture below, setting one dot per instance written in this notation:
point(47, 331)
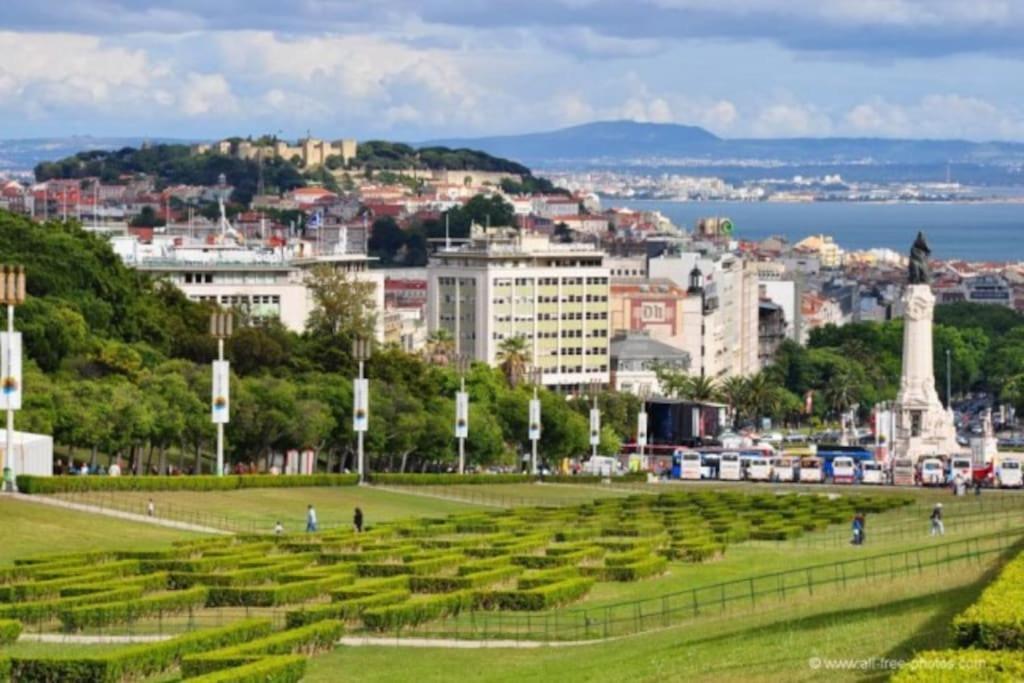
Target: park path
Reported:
point(128, 516)
point(350, 641)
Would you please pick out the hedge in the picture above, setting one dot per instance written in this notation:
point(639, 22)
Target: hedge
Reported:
point(239, 577)
point(535, 599)
point(105, 614)
point(411, 479)
point(367, 587)
point(136, 661)
point(652, 566)
point(448, 584)
point(32, 484)
point(345, 609)
point(544, 577)
point(432, 564)
point(275, 594)
point(969, 666)
point(309, 639)
point(9, 631)
point(37, 590)
point(416, 611)
point(592, 478)
point(146, 582)
point(43, 610)
point(996, 620)
point(279, 669)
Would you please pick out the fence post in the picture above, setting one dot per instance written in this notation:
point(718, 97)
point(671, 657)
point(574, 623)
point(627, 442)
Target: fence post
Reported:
point(810, 583)
point(753, 601)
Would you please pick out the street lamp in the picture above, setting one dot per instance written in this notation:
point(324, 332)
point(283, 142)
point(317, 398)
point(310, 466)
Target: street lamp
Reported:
point(641, 422)
point(360, 401)
point(593, 388)
point(221, 323)
point(535, 376)
point(949, 383)
point(12, 293)
point(462, 409)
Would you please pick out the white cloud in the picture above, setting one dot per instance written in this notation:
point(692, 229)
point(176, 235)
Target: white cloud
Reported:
point(791, 119)
point(937, 116)
point(203, 94)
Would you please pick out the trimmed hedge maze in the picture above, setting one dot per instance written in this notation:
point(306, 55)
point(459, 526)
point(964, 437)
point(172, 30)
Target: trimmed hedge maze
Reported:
point(394, 576)
point(992, 633)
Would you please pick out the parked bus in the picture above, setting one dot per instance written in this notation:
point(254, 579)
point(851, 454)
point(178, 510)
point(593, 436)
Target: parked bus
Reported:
point(690, 465)
point(786, 468)
point(844, 470)
point(1009, 475)
point(933, 472)
point(871, 472)
point(962, 466)
point(903, 473)
point(709, 465)
point(810, 471)
point(759, 469)
point(729, 467)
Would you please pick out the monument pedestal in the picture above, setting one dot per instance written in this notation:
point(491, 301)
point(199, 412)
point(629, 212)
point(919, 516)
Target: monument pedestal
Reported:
point(923, 427)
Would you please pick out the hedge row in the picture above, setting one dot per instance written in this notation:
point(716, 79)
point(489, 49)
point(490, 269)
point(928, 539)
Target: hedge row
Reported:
point(652, 566)
point(535, 578)
point(449, 584)
point(592, 478)
point(127, 611)
point(38, 611)
point(345, 609)
point(132, 662)
point(366, 587)
point(306, 640)
point(420, 567)
point(146, 582)
point(9, 631)
point(967, 666)
point(37, 590)
point(33, 484)
point(410, 479)
point(416, 611)
point(996, 620)
point(535, 599)
point(273, 594)
point(279, 669)
point(240, 577)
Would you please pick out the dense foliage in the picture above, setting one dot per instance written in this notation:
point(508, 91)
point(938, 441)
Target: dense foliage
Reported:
point(380, 154)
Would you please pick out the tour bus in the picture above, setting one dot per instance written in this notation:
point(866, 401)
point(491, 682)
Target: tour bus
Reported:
point(844, 470)
point(871, 472)
point(601, 465)
point(1009, 474)
point(729, 467)
point(903, 472)
point(933, 472)
point(785, 468)
point(689, 465)
point(962, 466)
point(709, 465)
point(759, 469)
point(811, 471)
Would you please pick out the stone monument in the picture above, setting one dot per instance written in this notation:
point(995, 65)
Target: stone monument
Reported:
point(923, 427)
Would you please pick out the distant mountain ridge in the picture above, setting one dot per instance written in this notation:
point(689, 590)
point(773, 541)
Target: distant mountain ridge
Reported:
point(631, 140)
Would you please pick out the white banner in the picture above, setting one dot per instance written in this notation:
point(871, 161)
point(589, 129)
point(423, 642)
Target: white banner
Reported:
point(10, 371)
point(641, 428)
point(360, 405)
point(595, 427)
point(534, 419)
point(221, 407)
point(461, 414)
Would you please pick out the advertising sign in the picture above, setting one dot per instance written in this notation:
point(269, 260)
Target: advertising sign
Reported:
point(221, 406)
point(10, 371)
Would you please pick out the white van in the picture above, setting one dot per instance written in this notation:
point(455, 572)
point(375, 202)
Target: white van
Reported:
point(729, 467)
point(689, 466)
point(844, 470)
point(601, 465)
point(811, 471)
point(759, 469)
point(872, 472)
point(932, 472)
point(1009, 474)
point(963, 467)
point(784, 468)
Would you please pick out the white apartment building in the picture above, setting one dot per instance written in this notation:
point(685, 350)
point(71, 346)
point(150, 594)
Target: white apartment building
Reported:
point(722, 334)
point(503, 283)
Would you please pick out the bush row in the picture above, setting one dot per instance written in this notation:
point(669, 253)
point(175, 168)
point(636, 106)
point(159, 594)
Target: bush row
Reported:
point(132, 662)
point(996, 620)
point(273, 594)
point(962, 666)
point(309, 639)
point(535, 599)
point(420, 567)
point(592, 478)
point(411, 479)
point(38, 611)
point(10, 629)
point(652, 566)
point(33, 484)
point(416, 611)
point(345, 610)
point(277, 669)
point(535, 578)
point(37, 590)
point(127, 611)
point(449, 584)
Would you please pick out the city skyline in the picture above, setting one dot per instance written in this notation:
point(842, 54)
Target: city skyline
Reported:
point(415, 71)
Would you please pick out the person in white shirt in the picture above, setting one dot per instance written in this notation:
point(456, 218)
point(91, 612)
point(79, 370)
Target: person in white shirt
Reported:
point(310, 519)
point(115, 470)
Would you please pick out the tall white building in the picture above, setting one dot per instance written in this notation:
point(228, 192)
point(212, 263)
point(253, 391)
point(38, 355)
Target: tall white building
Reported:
point(503, 283)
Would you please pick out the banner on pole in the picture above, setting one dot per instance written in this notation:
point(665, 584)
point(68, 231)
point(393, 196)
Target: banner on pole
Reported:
point(595, 427)
point(10, 371)
point(221, 407)
point(534, 419)
point(360, 405)
point(461, 415)
point(641, 428)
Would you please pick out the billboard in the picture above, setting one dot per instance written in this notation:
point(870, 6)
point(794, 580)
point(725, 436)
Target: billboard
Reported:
point(641, 428)
point(360, 405)
point(595, 427)
point(10, 371)
point(461, 415)
point(534, 419)
point(221, 400)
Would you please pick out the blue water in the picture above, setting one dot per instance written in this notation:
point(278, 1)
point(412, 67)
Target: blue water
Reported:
point(973, 232)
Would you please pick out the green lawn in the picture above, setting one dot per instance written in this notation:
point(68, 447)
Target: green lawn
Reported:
point(886, 619)
point(34, 529)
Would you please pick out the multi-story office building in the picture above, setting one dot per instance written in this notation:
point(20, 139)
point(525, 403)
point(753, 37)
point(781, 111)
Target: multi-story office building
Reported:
point(503, 283)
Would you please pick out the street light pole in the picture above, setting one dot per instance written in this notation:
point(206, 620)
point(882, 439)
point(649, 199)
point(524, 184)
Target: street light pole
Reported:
point(534, 422)
point(462, 411)
point(360, 402)
point(595, 417)
point(221, 323)
point(12, 293)
point(949, 382)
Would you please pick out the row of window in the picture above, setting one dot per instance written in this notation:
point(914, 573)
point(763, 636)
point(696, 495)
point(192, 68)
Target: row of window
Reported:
point(240, 299)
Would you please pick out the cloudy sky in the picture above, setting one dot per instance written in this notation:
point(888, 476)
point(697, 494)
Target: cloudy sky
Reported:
point(417, 69)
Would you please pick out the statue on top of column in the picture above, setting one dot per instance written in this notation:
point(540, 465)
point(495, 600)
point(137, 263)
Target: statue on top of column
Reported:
point(920, 272)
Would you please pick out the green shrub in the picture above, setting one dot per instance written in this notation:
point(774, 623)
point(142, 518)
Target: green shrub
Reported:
point(534, 599)
point(271, 595)
point(145, 582)
point(278, 669)
point(543, 577)
point(448, 584)
point(9, 631)
point(996, 620)
point(593, 478)
point(650, 566)
point(366, 587)
point(37, 590)
point(133, 662)
point(416, 611)
point(43, 610)
point(426, 566)
point(32, 484)
point(966, 666)
point(308, 639)
point(396, 479)
point(345, 609)
point(127, 611)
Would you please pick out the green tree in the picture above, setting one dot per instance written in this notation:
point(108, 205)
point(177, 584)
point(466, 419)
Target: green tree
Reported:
point(513, 356)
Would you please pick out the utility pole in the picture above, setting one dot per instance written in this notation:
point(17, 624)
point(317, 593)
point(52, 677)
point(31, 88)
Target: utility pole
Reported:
point(536, 377)
point(221, 323)
point(641, 424)
point(360, 402)
point(949, 381)
point(595, 417)
point(462, 411)
point(12, 293)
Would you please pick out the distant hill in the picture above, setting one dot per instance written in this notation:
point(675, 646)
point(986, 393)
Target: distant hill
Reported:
point(629, 140)
point(24, 154)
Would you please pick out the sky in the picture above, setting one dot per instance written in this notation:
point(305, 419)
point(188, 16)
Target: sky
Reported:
point(421, 69)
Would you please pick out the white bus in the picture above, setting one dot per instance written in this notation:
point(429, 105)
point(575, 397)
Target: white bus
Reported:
point(689, 466)
point(811, 471)
point(784, 468)
point(759, 469)
point(844, 470)
point(963, 467)
point(932, 472)
point(872, 472)
point(1009, 475)
point(729, 467)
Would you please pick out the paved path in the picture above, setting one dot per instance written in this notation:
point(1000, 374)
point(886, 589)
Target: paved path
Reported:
point(130, 516)
point(80, 639)
point(450, 643)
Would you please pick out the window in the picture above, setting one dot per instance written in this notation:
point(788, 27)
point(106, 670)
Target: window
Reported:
point(915, 422)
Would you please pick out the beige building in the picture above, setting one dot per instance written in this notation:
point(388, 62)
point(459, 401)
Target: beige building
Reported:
point(658, 308)
point(310, 152)
point(503, 284)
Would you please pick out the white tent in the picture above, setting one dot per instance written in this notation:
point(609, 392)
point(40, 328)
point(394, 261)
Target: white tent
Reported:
point(33, 453)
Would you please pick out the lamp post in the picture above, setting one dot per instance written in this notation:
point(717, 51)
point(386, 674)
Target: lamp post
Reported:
point(535, 377)
point(641, 423)
point(221, 323)
point(12, 293)
point(462, 409)
point(949, 381)
point(360, 401)
point(593, 388)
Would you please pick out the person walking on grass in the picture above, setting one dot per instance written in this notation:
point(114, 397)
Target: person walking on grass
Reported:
point(151, 508)
point(937, 526)
point(278, 528)
point(857, 530)
point(310, 519)
point(357, 521)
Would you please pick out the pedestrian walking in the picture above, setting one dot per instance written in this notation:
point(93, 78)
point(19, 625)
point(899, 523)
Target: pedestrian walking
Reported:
point(863, 527)
point(310, 519)
point(856, 530)
point(151, 508)
point(937, 526)
point(278, 528)
point(357, 521)
point(977, 487)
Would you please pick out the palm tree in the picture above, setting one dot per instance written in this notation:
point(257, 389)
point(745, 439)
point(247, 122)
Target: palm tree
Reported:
point(440, 347)
point(760, 395)
point(699, 389)
point(514, 356)
point(735, 392)
point(841, 392)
